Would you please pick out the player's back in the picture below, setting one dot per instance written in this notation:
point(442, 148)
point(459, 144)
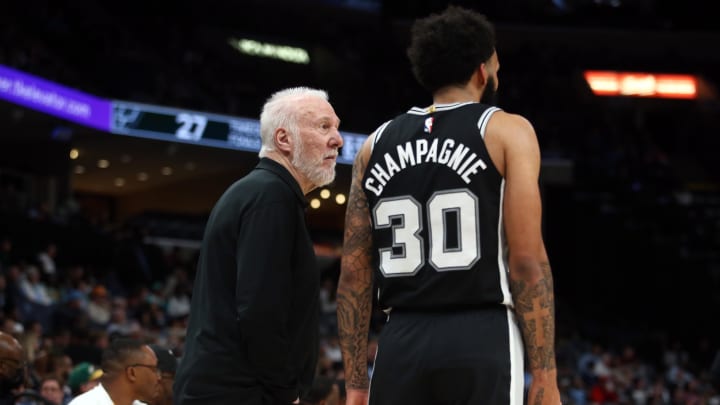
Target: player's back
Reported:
point(435, 199)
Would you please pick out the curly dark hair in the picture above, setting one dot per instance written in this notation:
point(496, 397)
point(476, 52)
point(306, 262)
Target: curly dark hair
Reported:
point(446, 48)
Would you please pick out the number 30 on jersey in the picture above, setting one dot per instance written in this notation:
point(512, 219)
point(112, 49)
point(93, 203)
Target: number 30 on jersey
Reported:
point(447, 211)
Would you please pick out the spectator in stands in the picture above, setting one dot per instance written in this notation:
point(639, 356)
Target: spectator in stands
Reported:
point(12, 368)
point(178, 303)
point(659, 393)
point(175, 333)
point(152, 318)
point(13, 374)
point(254, 318)
point(83, 377)
point(33, 288)
point(120, 324)
point(36, 302)
point(167, 363)
point(12, 327)
point(69, 316)
point(98, 308)
point(60, 367)
point(603, 391)
point(46, 259)
point(130, 372)
point(179, 276)
point(75, 283)
point(331, 348)
point(31, 341)
point(51, 389)
point(577, 392)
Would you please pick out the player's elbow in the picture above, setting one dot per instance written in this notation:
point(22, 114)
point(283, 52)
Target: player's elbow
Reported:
point(526, 268)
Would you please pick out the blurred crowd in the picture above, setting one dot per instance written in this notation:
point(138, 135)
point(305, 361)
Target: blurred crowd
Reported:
point(641, 204)
point(65, 315)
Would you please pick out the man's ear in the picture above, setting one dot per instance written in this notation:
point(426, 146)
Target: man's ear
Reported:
point(483, 74)
point(130, 373)
point(479, 77)
point(283, 140)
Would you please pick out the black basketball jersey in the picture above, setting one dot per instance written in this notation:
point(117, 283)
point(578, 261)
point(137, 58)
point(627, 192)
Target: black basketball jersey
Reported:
point(435, 200)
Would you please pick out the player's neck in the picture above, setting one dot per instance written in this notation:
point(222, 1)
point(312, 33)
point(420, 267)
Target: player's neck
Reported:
point(456, 94)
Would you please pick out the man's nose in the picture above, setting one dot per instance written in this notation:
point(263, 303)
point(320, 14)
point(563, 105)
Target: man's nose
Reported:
point(337, 140)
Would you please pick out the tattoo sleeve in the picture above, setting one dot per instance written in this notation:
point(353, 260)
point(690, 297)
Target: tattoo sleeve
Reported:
point(535, 309)
point(354, 295)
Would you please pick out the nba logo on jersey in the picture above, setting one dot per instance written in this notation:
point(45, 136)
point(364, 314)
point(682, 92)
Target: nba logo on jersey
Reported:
point(428, 124)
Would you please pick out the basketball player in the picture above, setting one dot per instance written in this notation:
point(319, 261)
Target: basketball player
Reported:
point(445, 209)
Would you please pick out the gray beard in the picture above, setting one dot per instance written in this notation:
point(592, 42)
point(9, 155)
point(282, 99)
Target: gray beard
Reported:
point(318, 175)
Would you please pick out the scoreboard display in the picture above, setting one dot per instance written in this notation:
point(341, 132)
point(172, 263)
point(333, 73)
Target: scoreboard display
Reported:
point(201, 128)
point(142, 120)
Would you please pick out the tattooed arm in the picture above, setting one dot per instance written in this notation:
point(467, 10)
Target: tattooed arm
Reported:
point(354, 295)
point(532, 287)
point(531, 282)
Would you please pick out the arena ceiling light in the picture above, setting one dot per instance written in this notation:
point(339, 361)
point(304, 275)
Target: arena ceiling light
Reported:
point(284, 53)
point(642, 84)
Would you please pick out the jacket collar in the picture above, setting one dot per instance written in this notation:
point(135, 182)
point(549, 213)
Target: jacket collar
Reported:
point(284, 174)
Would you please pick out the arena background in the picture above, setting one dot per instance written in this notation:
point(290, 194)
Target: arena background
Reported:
point(631, 185)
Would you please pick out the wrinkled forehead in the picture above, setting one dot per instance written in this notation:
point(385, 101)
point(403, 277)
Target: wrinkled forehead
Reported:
point(315, 109)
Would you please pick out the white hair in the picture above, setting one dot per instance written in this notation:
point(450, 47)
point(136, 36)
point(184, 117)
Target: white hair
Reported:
point(280, 111)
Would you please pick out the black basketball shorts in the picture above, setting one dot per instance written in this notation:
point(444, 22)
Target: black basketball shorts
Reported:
point(444, 358)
